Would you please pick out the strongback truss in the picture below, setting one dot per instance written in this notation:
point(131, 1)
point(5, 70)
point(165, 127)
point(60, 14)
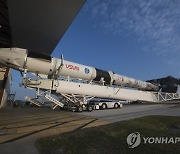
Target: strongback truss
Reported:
point(79, 93)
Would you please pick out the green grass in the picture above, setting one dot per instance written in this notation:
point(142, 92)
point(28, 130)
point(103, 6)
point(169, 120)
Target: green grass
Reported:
point(111, 138)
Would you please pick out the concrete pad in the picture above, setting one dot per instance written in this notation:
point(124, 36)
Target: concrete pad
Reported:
point(20, 127)
point(134, 111)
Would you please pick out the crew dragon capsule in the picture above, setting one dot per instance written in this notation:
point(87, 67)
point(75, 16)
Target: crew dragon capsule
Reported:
point(21, 59)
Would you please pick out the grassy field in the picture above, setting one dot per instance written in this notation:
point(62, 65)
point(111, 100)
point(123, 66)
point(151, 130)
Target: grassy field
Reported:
point(111, 138)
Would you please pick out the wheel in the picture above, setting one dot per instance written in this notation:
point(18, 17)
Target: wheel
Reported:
point(84, 107)
point(116, 105)
point(79, 108)
point(104, 106)
point(89, 108)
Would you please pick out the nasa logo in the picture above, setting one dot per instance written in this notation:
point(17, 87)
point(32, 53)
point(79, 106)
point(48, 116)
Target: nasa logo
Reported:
point(71, 67)
point(86, 70)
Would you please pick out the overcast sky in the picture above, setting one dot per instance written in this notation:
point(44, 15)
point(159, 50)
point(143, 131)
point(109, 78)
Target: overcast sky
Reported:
point(136, 38)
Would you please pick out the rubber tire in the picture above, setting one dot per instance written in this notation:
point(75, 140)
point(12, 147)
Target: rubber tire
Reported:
point(104, 106)
point(116, 105)
point(79, 108)
point(89, 108)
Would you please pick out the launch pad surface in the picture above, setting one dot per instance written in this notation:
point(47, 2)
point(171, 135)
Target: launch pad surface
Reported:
point(20, 127)
point(132, 111)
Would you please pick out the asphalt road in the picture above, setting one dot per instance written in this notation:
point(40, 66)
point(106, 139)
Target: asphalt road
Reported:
point(134, 111)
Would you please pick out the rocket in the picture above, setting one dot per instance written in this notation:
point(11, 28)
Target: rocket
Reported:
point(21, 59)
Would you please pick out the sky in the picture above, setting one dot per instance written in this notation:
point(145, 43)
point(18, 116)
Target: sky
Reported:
point(135, 38)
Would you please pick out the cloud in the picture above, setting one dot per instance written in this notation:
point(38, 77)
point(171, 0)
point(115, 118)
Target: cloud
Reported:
point(154, 21)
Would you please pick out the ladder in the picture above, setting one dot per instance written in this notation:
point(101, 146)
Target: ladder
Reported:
point(33, 101)
point(55, 101)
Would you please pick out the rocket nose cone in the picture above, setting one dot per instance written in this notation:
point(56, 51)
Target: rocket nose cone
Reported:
point(3, 57)
point(1, 52)
point(7, 57)
point(13, 57)
point(4, 52)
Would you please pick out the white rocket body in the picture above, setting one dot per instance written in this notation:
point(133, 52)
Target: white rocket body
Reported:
point(20, 59)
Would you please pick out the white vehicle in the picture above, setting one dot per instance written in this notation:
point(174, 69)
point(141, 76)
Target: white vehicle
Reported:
point(106, 104)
